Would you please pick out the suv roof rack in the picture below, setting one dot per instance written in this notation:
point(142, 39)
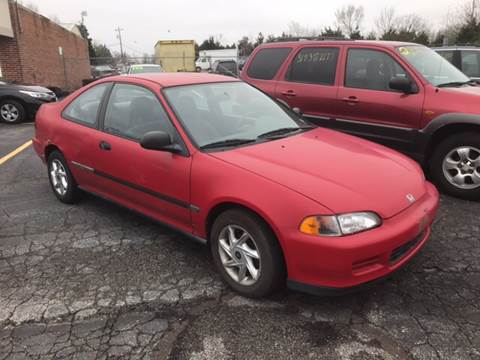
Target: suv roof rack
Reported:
point(311, 38)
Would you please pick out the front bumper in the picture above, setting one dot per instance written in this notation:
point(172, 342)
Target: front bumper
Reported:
point(336, 265)
point(33, 104)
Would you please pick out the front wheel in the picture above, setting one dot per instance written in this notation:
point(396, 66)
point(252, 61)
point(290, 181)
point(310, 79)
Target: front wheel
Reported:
point(247, 254)
point(12, 112)
point(61, 179)
point(455, 165)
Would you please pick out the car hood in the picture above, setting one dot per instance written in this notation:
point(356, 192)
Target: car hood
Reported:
point(26, 88)
point(463, 99)
point(341, 172)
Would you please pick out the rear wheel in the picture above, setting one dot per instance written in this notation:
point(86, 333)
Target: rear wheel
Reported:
point(61, 179)
point(247, 254)
point(455, 165)
point(12, 112)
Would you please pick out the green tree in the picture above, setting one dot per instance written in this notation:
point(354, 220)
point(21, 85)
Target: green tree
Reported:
point(245, 46)
point(333, 33)
point(260, 39)
point(211, 44)
point(84, 31)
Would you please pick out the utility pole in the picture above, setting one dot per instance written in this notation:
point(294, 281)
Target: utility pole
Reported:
point(119, 36)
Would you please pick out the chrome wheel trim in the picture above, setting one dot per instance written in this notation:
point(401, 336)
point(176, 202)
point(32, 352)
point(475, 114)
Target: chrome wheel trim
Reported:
point(58, 177)
point(461, 167)
point(239, 255)
point(9, 112)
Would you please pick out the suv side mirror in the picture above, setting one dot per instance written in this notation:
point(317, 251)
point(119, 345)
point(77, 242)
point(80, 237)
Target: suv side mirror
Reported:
point(401, 84)
point(159, 140)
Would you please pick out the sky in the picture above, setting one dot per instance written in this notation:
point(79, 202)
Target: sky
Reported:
point(146, 21)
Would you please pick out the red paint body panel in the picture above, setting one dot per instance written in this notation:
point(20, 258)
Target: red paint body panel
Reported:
point(319, 172)
point(407, 111)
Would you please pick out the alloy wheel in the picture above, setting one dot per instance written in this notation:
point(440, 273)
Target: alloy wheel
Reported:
point(58, 176)
point(9, 112)
point(461, 167)
point(239, 255)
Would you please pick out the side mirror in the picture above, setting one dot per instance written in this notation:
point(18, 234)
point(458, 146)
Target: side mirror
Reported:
point(160, 141)
point(401, 84)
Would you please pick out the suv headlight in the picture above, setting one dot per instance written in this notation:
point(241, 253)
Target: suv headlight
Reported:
point(37, 95)
point(340, 225)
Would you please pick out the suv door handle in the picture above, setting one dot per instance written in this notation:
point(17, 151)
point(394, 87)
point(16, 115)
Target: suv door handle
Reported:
point(351, 99)
point(288, 93)
point(105, 146)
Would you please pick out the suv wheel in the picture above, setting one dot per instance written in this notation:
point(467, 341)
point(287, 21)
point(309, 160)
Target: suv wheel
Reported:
point(12, 112)
point(455, 165)
point(247, 254)
point(61, 179)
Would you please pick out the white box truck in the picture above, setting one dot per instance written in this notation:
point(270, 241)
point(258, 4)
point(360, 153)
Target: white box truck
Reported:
point(206, 58)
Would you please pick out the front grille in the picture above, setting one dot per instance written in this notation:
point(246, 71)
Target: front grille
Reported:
point(404, 249)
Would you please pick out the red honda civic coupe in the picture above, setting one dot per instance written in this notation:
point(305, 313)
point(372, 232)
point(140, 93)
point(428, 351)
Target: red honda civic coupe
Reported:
point(275, 198)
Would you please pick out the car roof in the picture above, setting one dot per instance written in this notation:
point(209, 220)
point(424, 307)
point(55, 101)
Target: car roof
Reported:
point(381, 43)
point(464, 47)
point(167, 79)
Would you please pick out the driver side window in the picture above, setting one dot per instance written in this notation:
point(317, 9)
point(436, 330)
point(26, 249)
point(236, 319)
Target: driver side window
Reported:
point(132, 111)
point(371, 69)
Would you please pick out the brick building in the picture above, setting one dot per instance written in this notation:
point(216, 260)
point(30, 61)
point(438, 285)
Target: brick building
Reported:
point(36, 50)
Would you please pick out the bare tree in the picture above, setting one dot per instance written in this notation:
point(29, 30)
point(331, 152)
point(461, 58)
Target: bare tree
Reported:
point(471, 11)
point(410, 23)
point(386, 21)
point(295, 29)
point(349, 19)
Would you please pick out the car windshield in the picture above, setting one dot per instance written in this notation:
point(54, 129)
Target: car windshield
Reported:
point(142, 69)
point(230, 114)
point(103, 68)
point(434, 68)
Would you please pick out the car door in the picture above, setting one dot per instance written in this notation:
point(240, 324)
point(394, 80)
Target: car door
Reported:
point(75, 136)
point(156, 183)
point(367, 106)
point(309, 82)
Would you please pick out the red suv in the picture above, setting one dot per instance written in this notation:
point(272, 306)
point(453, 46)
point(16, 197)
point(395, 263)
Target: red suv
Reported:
point(402, 95)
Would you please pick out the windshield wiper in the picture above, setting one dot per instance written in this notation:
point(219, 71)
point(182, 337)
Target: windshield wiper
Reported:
point(456, 83)
point(227, 143)
point(282, 131)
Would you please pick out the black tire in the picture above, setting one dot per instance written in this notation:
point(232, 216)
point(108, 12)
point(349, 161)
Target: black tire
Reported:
point(19, 111)
point(72, 193)
point(198, 69)
point(441, 151)
point(272, 266)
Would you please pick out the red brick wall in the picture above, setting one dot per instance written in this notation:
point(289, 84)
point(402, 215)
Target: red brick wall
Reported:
point(11, 68)
point(38, 40)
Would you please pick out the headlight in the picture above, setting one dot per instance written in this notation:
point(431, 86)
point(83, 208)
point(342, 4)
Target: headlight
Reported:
point(37, 95)
point(339, 225)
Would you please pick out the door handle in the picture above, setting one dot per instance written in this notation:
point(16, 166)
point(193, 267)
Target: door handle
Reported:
point(105, 146)
point(351, 100)
point(288, 93)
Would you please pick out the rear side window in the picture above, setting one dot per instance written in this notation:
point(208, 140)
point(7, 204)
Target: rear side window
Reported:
point(84, 109)
point(267, 62)
point(314, 65)
point(471, 63)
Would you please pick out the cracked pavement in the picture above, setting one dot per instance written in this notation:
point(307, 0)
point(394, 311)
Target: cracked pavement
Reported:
point(96, 281)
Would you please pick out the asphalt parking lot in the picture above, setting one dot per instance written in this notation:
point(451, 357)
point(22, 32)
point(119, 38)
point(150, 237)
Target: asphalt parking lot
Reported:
point(96, 281)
